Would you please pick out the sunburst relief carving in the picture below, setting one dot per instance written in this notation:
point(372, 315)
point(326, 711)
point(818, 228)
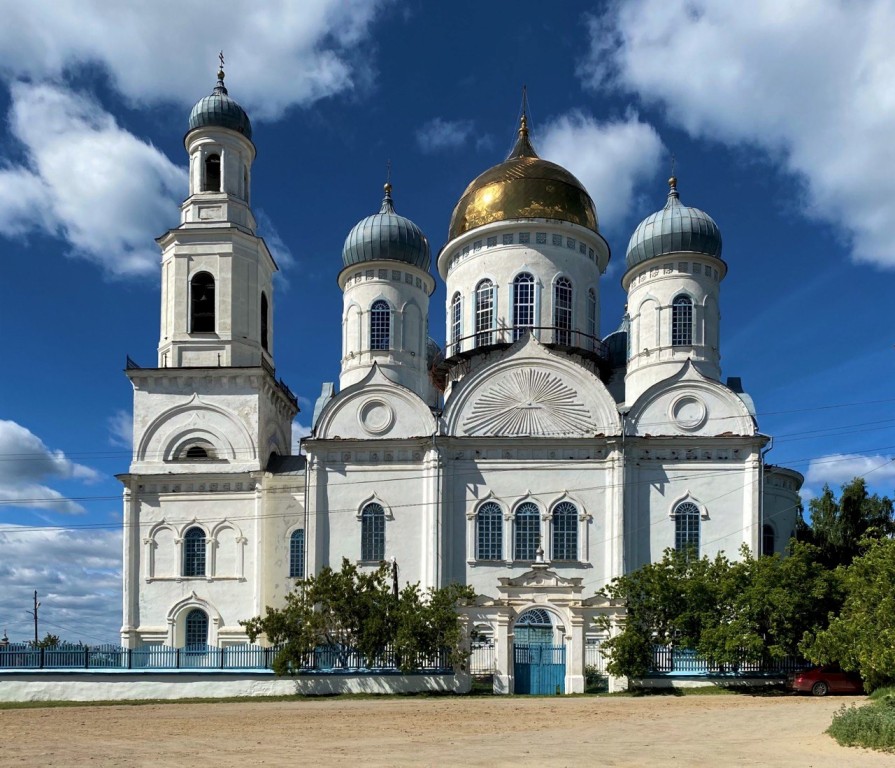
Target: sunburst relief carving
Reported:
point(529, 402)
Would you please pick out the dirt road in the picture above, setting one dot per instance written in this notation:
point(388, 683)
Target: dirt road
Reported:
point(651, 731)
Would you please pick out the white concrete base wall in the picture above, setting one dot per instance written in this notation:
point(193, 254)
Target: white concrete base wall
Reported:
point(703, 682)
point(127, 687)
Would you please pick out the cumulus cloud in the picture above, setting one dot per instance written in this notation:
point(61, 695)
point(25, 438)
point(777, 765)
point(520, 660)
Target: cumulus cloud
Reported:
point(299, 431)
point(87, 180)
point(836, 469)
point(26, 465)
point(275, 244)
point(611, 158)
point(280, 54)
point(807, 82)
point(439, 134)
point(121, 429)
point(77, 575)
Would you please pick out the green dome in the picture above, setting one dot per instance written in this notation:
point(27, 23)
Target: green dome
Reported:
point(220, 111)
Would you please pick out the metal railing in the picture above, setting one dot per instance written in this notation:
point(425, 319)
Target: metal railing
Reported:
point(686, 661)
point(568, 338)
point(322, 660)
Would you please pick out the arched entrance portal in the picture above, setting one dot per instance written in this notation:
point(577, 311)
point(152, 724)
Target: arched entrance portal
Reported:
point(539, 656)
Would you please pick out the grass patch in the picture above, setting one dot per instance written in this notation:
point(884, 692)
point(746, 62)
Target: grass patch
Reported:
point(713, 690)
point(871, 726)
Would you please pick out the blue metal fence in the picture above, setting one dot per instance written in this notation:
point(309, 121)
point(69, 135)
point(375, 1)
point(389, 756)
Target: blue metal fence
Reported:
point(322, 660)
point(668, 660)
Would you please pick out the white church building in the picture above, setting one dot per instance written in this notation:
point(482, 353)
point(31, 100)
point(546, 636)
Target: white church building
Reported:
point(532, 458)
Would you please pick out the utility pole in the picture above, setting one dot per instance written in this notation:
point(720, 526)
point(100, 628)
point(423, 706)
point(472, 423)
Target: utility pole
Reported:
point(34, 614)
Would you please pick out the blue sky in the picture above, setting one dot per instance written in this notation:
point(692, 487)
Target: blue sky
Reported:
point(779, 114)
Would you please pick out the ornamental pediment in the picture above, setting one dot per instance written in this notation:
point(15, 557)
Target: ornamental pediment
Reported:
point(539, 577)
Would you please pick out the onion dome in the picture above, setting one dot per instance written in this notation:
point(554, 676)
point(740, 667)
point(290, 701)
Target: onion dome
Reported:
point(386, 236)
point(220, 111)
point(523, 187)
point(617, 343)
point(675, 229)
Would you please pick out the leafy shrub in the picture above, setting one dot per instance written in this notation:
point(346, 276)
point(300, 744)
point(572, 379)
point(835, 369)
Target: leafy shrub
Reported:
point(872, 725)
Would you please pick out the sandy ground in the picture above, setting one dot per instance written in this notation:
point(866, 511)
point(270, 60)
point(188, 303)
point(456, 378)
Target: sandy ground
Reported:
point(652, 731)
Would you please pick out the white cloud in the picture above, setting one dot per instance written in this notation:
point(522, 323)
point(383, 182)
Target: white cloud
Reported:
point(807, 81)
point(279, 54)
point(836, 469)
point(299, 431)
point(278, 249)
point(26, 464)
point(121, 429)
point(610, 158)
point(439, 134)
point(77, 575)
point(87, 180)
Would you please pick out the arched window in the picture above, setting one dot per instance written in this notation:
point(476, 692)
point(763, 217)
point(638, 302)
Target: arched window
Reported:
point(562, 311)
point(489, 532)
point(484, 313)
point(527, 532)
point(212, 174)
point(372, 534)
point(297, 554)
point(565, 531)
point(592, 318)
point(523, 304)
point(380, 325)
point(533, 627)
point(768, 539)
point(196, 628)
point(197, 452)
point(194, 552)
point(681, 321)
point(265, 320)
point(456, 323)
point(202, 303)
point(686, 528)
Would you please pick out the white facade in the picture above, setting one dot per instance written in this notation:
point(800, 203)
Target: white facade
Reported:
point(529, 459)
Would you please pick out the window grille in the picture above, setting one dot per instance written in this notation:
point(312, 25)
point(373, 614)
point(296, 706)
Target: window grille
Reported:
point(525, 237)
point(534, 627)
point(492, 241)
point(686, 528)
point(565, 531)
point(562, 311)
point(372, 536)
point(681, 321)
point(489, 532)
point(523, 304)
point(484, 313)
point(541, 238)
point(194, 552)
point(477, 245)
point(456, 322)
point(202, 304)
point(380, 325)
point(297, 554)
point(508, 239)
point(527, 531)
point(196, 628)
point(582, 248)
point(556, 239)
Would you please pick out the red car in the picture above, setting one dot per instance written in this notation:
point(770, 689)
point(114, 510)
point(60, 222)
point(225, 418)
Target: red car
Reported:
point(820, 681)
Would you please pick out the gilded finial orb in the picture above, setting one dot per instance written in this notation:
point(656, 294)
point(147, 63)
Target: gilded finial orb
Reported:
point(387, 187)
point(672, 182)
point(523, 125)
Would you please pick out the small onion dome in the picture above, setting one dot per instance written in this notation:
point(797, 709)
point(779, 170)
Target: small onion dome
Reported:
point(433, 352)
point(617, 344)
point(220, 111)
point(523, 187)
point(675, 229)
point(386, 236)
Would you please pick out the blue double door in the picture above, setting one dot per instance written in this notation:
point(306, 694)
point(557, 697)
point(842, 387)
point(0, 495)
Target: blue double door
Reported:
point(539, 668)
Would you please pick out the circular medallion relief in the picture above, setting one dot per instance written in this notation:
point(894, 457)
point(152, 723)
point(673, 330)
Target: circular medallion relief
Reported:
point(688, 412)
point(376, 416)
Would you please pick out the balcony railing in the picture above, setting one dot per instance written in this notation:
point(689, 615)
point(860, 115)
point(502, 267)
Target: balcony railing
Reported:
point(567, 339)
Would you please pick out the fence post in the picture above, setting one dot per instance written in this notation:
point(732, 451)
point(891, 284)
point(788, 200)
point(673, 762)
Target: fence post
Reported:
point(129, 657)
point(221, 651)
point(41, 657)
point(86, 657)
point(177, 658)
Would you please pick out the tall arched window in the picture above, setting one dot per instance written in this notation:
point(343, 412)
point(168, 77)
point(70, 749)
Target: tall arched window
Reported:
point(562, 311)
point(523, 304)
point(686, 528)
point(194, 552)
point(484, 313)
point(372, 535)
point(527, 532)
point(592, 318)
point(265, 319)
point(380, 325)
point(196, 628)
point(212, 174)
point(202, 304)
point(565, 531)
point(681, 321)
point(768, 539)
point(456, 323)
point(297, 554)
point(489, 532)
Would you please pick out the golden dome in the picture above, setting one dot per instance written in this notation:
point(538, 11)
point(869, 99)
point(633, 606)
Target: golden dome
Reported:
point(523, 187)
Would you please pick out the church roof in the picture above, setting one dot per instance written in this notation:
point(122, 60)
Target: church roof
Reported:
point(674, 229)
point(220, 111)
point(386, 236)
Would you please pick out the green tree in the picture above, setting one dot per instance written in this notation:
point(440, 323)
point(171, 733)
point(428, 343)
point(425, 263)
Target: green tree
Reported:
point(350, 609)
point(862, 636)
point(48, 641)
point(842, 527)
